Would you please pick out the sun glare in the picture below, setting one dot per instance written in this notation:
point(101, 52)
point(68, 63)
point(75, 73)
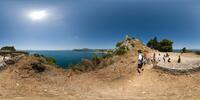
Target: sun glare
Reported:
point(38, 15)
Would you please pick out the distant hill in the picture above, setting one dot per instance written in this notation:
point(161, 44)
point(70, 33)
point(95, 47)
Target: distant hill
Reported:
point(8, 48)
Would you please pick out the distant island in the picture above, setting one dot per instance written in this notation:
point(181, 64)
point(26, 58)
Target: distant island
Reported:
point(94, 50)
point(10, 50)
point(83, 49)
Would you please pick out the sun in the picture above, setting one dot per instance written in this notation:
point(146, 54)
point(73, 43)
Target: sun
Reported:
point(38, 15)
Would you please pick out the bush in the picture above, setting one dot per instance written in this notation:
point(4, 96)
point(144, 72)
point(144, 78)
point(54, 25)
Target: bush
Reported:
point(164, 46)
point(153, 43)
point(106, 62)
point(96, 60)
point(49, 60)
point(197, 52)
point(184, 50)
point(84, 66)
point(90, 65)
point(36, 55)
point(38, 67)
point(118, 44)
point(121, 50)
point(109, 55)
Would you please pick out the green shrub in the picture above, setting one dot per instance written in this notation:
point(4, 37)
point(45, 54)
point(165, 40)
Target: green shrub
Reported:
point(75, 67)
point(89, 65)
point(105, 62)
point(109, 55)
point(121, 50)
point(49, 60)
point(96, 60)
point(184, 50)
point(164, 45)
point(84, 66)
point(36, 55)
point(153, 43)
point(72, 66)
point(118, 44)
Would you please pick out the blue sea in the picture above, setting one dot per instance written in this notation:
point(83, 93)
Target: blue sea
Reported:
point(66, 57)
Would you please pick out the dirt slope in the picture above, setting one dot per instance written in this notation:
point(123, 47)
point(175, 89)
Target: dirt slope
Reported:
point(117, 81)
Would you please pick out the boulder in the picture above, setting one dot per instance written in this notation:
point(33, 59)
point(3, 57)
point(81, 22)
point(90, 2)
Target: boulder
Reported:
point(9, 62)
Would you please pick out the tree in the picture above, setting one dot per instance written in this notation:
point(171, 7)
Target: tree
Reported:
point(153, 43)
point(165, 45)
point(184, 50)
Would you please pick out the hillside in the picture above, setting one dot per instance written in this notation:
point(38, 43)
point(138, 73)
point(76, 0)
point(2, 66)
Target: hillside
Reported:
point(33, 78)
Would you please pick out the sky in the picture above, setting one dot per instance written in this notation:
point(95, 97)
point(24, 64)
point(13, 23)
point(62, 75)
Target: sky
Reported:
point(69, 24)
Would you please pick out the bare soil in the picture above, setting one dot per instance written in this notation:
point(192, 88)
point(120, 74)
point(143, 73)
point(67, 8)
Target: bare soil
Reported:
point(117, 81)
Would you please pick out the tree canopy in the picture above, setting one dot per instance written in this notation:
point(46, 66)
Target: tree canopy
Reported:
point(164, 45)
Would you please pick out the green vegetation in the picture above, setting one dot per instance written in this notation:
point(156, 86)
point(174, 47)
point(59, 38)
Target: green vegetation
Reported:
point(89, 65)
point(153, 43)
point(121, 50)
point(9, 48)
point(119, 44)
point(183, 50)
point(49, 60)
point(164, 45)
point(109, 55)
point(37, 55)
point(97, 62)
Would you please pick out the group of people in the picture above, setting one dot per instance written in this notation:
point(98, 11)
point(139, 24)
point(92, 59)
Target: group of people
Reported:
point(143, 58)
point(165, 58)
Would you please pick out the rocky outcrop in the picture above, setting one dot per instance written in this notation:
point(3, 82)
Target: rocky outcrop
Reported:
point(132, 43)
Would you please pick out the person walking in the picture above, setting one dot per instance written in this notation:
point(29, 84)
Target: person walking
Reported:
point(140, 61)
point(154, 58)
point(179, 59)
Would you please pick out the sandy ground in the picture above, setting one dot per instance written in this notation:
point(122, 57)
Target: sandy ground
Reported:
point(117, 81)
point(188, 61)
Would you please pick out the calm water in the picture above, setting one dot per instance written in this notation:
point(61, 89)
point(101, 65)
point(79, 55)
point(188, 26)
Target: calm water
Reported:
point(64, 58)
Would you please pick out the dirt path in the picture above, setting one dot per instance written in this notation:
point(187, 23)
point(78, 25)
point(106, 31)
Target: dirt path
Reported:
point(151, 84)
